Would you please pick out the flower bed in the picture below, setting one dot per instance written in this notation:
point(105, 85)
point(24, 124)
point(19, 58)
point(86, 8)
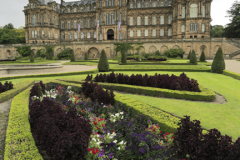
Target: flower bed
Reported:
point(160, 81)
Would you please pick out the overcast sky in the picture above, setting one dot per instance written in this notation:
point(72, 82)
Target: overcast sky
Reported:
point(11, 12)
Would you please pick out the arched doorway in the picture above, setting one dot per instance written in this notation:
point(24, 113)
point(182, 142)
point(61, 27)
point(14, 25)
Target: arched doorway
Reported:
point(110, 34)
point(93, 53)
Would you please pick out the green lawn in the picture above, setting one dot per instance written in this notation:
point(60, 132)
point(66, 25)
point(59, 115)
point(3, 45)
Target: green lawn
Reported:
point(27, 62)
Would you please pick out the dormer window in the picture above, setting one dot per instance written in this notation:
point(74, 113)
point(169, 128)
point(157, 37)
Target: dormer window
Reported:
point(75, 10)
point(68, 10)
point(81, 9)
point(88, 8)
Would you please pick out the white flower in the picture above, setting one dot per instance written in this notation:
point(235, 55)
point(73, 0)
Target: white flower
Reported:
point(122, 117)
point(115, 141)
point(119, 148)
point(121, 112)
point(114, 120)
point(121, 142)
point(98, 143)
point(117, 114)
point(93, 139)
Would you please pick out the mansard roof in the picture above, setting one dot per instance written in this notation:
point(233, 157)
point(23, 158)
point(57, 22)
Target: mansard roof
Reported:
point(84, 2)
point(45, 1)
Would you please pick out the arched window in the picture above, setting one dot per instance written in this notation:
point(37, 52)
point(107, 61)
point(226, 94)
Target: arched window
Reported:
point(203, 27)
point(100, 3)
point(169, 32)
point(69, 36)
point(183, 12)
point(62, 25)
point(75, 35)
point(120, 3)
point(138, 20)
point(183, 28)
point(88, 34)
point(120, 17)
point(131, 5)
point(75, 24)
point(88, 8)
point(94, 34)
point(161, 32)
point(69, 10)
point(146, 4)
point(131, 33)
point(34, 20)
point(131, 21)
point(49, 34)
point(82, 35)
point(81, 9)
point(81, 24)
point(193, 10)
point(146, 33)
point(100, 36)
point(161, 19)
point(203, 11)
point(42, 33)
point(146, 20)
point(107, 18)
point(154, 32)
point(113, 18)
point(139, 33)
point(35, 34)
point(154, 20)
point(120, 35)
point(169, 19)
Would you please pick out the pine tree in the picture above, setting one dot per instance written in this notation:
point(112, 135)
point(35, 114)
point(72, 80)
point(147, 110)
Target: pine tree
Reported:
point(32, 58)
point(193, 57)
point(72, 57)
point(218, 64)
point(188, 57)
point(202, 57)
point(103, 65)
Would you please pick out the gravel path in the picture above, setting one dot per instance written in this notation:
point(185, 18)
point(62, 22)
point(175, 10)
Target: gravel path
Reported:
point(231, 65)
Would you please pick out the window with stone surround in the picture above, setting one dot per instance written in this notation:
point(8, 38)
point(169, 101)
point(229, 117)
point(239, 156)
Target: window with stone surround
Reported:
point(161, 32)
point(203, 11)
point(88, 34)
point(183, 12)
point(193, 11)
point(81, 24)
point(75, 35)
point(112, 18)
point(154, 4)
point(34, 20)
point(154, 20)
point(154, 32)
point(75, 10)
point(131, 33)
point(120, 17)
point(203, 27)
point(146, 33)
point(131, 5)
point(88, 23)
point(120, 3)
point(169, 32)
point(33, 34)
point(69, 25)
point(138, 20)
point(169, 19)
point(139, 5)
point(193, 27)
point(146, 5)
point(69, 36)
point(146, 20)
point(42, 33)
point(161, 19)
point(183, 28)
point(139, 33)
point(82, 35)
point(131, 21)
point(75, 24)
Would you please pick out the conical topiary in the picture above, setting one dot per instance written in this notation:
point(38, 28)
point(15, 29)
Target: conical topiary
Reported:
point(218, 64)
point(193, 57)
point(124, 58)
point(188, 57)
point(103, 65)
point(202, 57)
point(31, 58)
point(85, 56)
point(72, 57)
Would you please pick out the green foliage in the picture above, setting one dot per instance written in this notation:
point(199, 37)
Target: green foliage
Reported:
point(65, 54)
point(24, 51)
point(218, 64)
point(157, 53)
point(86, 56)
point(55, 58)
point(231, 74)
point(193, 57)
point(123, 58)
point(49, 52)
point(10, 35)
point(217, 31)
point(38, 53)
point(190, 52)
point(103, 65)
point(9, 26)
point(32, 58)
point(123, 48)
point(172, 53)
point(18, 57)
point(202, 57)
point(72, 57)
point(42, 54)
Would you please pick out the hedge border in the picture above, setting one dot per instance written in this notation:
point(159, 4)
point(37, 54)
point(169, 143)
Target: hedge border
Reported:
point(17, 88)
point(206, 94)
point(231, 74)
point(155, 63)
point(50, 75)
point(156, 69)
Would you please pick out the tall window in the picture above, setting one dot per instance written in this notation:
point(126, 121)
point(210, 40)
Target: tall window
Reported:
point(154, 32)
point(81, 9)
point(62, 25)
point(69, 25)
point(139, 33)
point(183, 28)
point(131, 5)
point(161, 19)
point(120, 3)
point(131, 33)
point(69, 36)
point(75, 35)
point(113, 2)
point(75, 24)
point(170, 3)
point(87, 8)
point(54, 21)
point(183, 12)
point(139, 5)
point(193, 10)
point(106, 3)
point(131, 21)
point(100, 19)
point(36, 34)
point(107, 18)
point(154, 4)
point(75, 10)
point(88, 23)
point(169, 19)
point(34, 20)
point(55, 35)
point(193, 27)
point(138, 20)
point(42, 20)
point(203, 11)
point(42, 33)
point(203, 27)
point(146, 33)
point(113, 18)
point(161, 32)
point(88, 34)
point(154, 20)
point(162, 3)
point(82, 35)
point(81, 24)
point(62, 10)
point(100, 3)
point(146, 20)
point(120, 17)
point(94, 34)
point(169, 32)
point(33, 34)
point(63, 36)
point(120, 36)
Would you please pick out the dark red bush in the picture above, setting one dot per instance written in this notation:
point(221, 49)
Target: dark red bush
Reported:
point(88, 88)
point(111, 78)
point(7, 86)
point(89, 78)
point(105, 97)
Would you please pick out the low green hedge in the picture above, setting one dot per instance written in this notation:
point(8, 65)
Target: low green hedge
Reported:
point(157, 69)
point(50, 75)
point(158, 63)
point(17, 88)
point(204, 95)
point(231, 74)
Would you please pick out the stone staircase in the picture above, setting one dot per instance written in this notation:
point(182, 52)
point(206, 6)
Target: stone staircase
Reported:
point(236, 43)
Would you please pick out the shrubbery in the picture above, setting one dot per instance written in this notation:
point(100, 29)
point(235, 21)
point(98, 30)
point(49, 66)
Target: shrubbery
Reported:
point(86, 56)
point(49, 52)
point(7, 86)
point(103, 65)
point(172, 53)
point(72, 57)
point(160, 81)
point(218, 64)
point(190, 52)
point(202, 57)
point(123, 58)
point(65, 54)
point(24, 51)
point(32, 58)
point(193, 57)
point(38, 89)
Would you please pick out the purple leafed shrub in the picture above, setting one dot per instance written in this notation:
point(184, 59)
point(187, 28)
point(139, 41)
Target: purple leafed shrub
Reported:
point(100, 78)
point(64, 136)
point(7, 86)
point(89, 78)
point(111, 78)
point(88, 88)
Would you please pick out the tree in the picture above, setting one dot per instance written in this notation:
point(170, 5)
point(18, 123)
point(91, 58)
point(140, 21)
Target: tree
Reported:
point(49, 52)
point(218, 64)
point(188, 57)
point(173, 53)
point(103, 65)
point(232, 30)
point(9, 26)
point(193, 57)
point(32, 58)
point(217, 31)
point(72, 57)
point(24, 51)
point(85, 56)
point(10, 35)
point(202, 57)
point(123, 48)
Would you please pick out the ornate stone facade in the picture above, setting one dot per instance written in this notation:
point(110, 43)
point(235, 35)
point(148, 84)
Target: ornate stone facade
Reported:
point(46, 21)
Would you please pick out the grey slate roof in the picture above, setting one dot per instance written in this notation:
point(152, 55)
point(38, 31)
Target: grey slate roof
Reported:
point(45, 1)
point(78, 2)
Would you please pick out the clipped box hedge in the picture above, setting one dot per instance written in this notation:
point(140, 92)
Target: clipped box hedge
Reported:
point(205, 94)
point(157, 63)
point(156, 69)
point(50, 75)
point(231, 74)
point(17, 88)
